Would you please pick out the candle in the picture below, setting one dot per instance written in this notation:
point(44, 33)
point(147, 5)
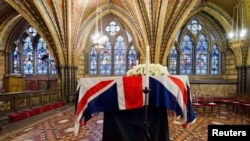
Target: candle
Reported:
point(147, 67)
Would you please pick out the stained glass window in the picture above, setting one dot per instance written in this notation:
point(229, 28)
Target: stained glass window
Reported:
point(195, 26)
point(52, 66)
point(28, 61)
point(186, 55)
point(112, 28)
point(199, 51)
point(117, 57)
point(42, 65)
point(93, 61)
point(34, 51)
point(120, 56)
point(106, 60)
point(215, 60)
point(173, 58)
point(132, 59)
point(202, 55)
point(32, 31)
point(16, 58)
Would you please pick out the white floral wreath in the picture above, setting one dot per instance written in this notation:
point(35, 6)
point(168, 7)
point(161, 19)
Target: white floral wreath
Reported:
point(153, 70)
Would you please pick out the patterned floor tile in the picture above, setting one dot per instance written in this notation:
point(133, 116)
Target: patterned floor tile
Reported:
point(59, 126)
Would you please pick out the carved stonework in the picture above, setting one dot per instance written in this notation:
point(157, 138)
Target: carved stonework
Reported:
point(236, 47)
point(217, 90)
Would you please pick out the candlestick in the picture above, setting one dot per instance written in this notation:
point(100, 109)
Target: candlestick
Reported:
point(146, 92)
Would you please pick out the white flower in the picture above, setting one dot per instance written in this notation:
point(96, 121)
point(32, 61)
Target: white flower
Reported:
point(153, 69)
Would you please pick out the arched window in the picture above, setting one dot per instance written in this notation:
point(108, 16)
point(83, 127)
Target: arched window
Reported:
point(132, 61)
point(173, 59)
point(118, 56)
point(30, 56)
point(186, 55)
point(106, 59)
point(196, 51)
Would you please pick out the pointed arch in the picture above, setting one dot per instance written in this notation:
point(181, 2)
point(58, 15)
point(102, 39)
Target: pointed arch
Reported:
point(199, 50)
point(119, 54)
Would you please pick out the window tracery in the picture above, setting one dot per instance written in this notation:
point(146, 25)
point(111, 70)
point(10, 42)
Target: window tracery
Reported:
point(198, 52)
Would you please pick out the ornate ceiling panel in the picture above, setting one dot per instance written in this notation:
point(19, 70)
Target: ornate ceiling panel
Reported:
point(66, 23)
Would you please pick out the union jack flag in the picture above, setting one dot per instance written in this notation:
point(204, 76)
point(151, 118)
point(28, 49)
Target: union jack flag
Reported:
point(122, 93)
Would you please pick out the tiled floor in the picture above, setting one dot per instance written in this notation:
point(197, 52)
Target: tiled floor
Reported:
point(58, 125)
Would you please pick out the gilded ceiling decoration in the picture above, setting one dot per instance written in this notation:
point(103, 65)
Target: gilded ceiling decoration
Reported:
point(65, 24)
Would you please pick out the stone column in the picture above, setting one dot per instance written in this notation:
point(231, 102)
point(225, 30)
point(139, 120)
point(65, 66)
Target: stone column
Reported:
point(61, 74)
point(247, 80)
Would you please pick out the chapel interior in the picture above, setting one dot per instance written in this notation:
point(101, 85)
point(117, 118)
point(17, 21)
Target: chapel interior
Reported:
point(46, 46)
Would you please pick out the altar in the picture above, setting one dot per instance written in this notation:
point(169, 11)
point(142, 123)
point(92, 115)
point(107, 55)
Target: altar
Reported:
point(112, 95)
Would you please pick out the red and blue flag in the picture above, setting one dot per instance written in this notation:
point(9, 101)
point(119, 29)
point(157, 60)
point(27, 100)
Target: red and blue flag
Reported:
point(122, 93)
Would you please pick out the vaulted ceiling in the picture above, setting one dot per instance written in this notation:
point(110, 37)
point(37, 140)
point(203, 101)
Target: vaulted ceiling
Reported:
point(65, 24)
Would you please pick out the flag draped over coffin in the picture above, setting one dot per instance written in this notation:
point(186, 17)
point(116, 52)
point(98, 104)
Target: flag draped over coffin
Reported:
point(126, 92)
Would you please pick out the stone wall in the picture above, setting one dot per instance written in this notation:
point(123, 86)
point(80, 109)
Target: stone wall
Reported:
point(217, 90)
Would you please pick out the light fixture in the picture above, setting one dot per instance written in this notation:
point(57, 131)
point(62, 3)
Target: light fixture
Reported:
point(238, 33)
point(98, 38)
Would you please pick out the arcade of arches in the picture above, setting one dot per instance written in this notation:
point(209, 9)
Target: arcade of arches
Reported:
point(47, 45)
